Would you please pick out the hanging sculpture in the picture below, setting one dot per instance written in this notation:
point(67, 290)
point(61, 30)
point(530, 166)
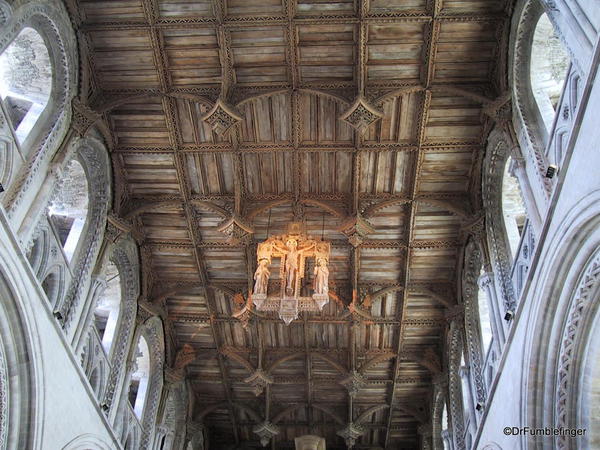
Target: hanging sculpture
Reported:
point(293, 249)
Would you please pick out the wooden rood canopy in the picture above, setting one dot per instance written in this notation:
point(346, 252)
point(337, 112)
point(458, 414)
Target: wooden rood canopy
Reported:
point(361, 119)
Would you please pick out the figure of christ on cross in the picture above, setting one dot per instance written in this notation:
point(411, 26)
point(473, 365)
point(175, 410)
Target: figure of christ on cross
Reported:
point(293, 254)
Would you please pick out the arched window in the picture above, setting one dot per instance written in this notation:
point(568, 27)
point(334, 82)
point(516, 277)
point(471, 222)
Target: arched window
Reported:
point(69, 207)
point(548, 69)
point(106, 314)
point(25, 81)
point(138, 385)
point(485, 323)
point(513, 209)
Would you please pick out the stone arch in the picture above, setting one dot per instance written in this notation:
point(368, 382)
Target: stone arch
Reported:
point(564, 328)
point(6, 160)
point(125, 255)
point(549, 64)
point(152, 332)
point(51, 21)
point(456, 409)
point(53, 284)
point(472, 264)
point(527, 118)
point(87, 442)
point(18, 381)
point(93, 156)
point(39, 253)
point(173, 417)
point(496, 156)
point(438, 402)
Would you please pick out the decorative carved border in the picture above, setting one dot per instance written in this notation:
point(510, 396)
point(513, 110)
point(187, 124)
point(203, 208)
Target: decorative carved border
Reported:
point(497, 153)
point(4, 400)
point(152, 330)
point(574, 333)
point(470, 288)
point(125, 257)
point(525, 111)
point(94, 158)
point(51, 20)
point(457, 417)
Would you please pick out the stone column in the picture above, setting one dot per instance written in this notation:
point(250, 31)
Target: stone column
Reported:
point(486, 282)
point(97, 287)
point(39, 205)
point(468, 398)
point(517, 170)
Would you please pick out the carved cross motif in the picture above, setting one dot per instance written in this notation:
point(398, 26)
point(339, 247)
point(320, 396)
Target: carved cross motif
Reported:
point(292, 248)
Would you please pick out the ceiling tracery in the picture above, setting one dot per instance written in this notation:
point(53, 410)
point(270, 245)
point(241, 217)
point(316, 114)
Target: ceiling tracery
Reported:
point(365, 121)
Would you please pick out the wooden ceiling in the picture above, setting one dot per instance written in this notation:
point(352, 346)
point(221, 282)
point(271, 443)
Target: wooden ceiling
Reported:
point(290, 69)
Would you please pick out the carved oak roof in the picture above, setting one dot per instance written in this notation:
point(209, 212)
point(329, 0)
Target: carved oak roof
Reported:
point(240, 115)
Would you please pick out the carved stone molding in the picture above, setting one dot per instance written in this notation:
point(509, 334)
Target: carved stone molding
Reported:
point(5, 15)
point(94, 157)
point(457, 419)
point(52, 21)
point(4, 399)
point(152, 330)
point(497, 153)
point(573, 338)
point(125, 257)
point(470, 289)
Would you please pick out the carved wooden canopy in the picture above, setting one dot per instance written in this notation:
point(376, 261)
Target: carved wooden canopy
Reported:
point(227, 120)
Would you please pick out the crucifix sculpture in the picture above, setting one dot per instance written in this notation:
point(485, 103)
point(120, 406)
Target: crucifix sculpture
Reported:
point(293, 249)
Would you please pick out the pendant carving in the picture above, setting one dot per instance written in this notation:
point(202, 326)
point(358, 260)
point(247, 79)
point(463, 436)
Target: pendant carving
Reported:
point(292, 249)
